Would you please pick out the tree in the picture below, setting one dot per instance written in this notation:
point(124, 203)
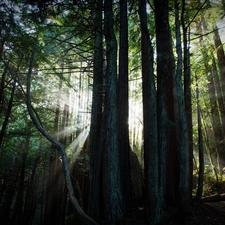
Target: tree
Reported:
point(96, 130)
point(150, 119)
point(113, 210)
point(123, 107)
point(165, 103)
point(187, 85)
point(183, 145)
point(172, 131)
point(200, 147)
point(220, 80)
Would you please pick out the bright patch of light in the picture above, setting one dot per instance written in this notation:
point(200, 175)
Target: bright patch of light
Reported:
point(77, 145)
point(221, 27)
point(65, 132)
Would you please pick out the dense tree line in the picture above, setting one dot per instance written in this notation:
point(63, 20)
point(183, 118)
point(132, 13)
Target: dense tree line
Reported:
point(97, 109)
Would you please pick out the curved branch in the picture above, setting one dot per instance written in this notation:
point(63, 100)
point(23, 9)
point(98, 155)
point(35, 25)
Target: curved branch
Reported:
point(81, 216)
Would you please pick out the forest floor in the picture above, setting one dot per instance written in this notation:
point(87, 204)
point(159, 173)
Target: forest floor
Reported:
point(209, 211)
point(205, 213)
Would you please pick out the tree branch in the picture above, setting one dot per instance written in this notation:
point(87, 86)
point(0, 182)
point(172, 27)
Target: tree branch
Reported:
point(81, 216)
point(196, 13)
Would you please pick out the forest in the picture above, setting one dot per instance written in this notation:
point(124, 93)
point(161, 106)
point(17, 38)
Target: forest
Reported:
point(112, 112)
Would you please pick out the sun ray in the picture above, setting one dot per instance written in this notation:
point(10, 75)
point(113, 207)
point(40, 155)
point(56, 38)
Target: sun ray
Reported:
point(66, 131)
point(77, 144)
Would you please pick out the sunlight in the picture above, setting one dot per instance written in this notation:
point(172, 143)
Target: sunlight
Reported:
point(65, 132)
point(221, 28)
point(77, 145)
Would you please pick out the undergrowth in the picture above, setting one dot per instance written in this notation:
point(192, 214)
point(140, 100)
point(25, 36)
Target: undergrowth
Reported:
point(211, 185)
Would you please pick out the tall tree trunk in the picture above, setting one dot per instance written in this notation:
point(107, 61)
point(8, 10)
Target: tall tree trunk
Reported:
point(19, 204)
point(111, 169)
point(181, 125)
point(200, 147)
point(2, 87)
point(187, 91)
point(150, 119)
point(50, 201)
point(165, 104)
point(29, 205)
point(50, 214)
point(219, 94)
point(8, 112)
point(209, 152)
point(124, 148)
point(96, 139)
point(9, 192)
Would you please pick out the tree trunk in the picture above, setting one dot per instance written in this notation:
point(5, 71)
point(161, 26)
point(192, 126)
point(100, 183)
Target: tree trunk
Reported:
point(123, 107)
point(219, 94)
point(19, 204)
point(2, 84)
point(165, 105)
point(51, 202)
point(187, 92)
point(209, 152)
point(96, 138)
point(149, 118)
point(9, 193)
point(111, 170)
point(8, 112)
point(29, 205)
point(221, 60)
point(200, 148)
point(181, 125)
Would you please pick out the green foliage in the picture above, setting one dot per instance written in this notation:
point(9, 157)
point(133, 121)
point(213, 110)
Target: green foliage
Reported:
point(212, 186)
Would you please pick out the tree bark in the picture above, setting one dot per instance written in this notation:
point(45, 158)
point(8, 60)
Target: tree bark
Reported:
point(219, 94)
point(29, 205)
point(111, 166)
point(149, 118)
point(8, 112)
point(18, 208)
point(200, 148)
point(165, 104)
point(187, 92)
point(181, 124)
point(96, 138)
point(124, 148)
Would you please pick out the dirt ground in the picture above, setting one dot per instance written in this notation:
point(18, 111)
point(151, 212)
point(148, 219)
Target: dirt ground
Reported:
point(205, 213)
point(210, 211)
